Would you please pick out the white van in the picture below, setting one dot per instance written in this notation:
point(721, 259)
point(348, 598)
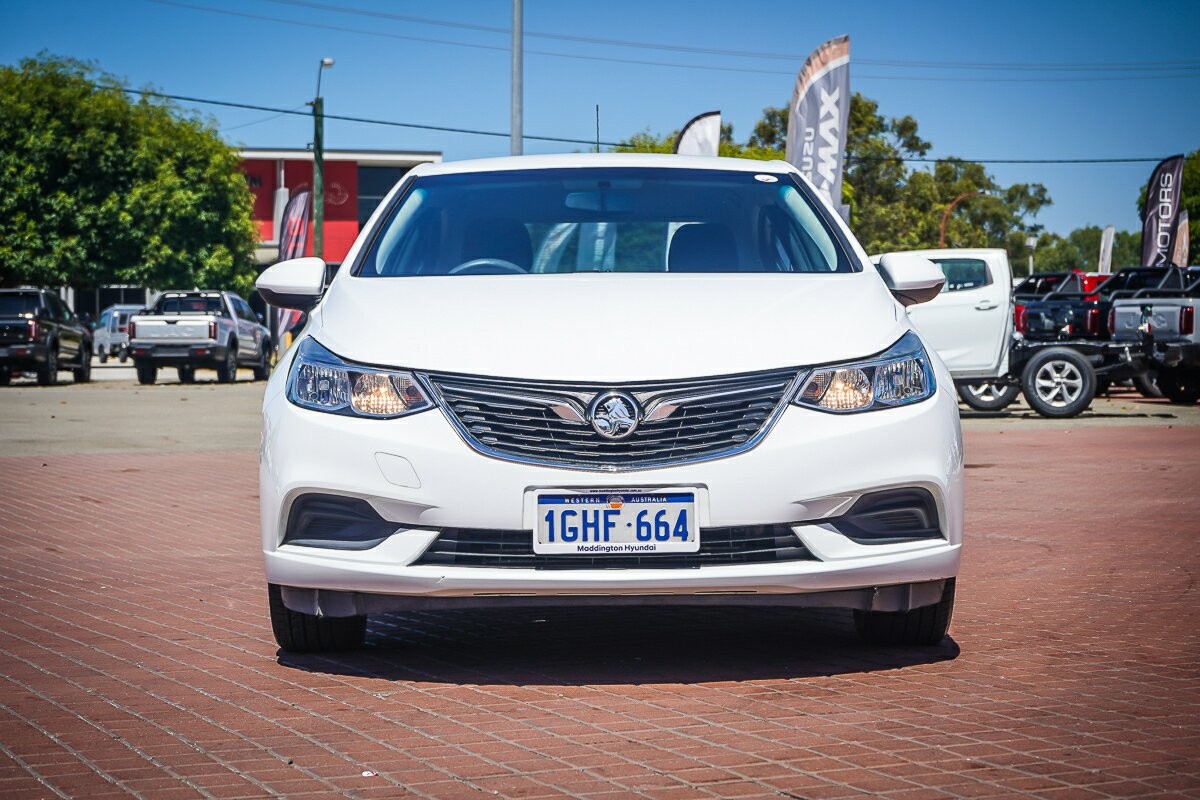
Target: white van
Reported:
point(111, 337)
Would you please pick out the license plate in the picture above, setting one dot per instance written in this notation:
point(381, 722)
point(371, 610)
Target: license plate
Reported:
point(616, 522)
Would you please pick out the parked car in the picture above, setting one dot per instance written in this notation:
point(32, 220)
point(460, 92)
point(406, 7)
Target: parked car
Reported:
point(705, 396)
point(199, 330)
point(39, 333)
point(1166, 320)
point(111, 334)
point(1066, 336)
point(970, 323)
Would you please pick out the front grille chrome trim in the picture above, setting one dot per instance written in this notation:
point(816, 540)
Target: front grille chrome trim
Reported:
point(721, 425)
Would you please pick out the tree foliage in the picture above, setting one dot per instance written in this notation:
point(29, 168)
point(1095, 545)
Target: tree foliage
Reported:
point(96, 188)
point(893, 206)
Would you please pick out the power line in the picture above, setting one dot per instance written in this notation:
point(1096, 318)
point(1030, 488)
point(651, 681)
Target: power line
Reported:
point(1095, 66)
point(364, 120)
point(643, 62)
point(568, 140)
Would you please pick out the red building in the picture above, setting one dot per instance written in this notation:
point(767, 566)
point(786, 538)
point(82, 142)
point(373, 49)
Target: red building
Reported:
point(355, 182)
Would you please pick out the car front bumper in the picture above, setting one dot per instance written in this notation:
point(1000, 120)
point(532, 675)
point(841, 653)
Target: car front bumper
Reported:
point(417, 472)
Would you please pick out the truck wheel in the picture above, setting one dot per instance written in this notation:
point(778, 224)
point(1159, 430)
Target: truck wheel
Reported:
point(146, 373)
point(304, 633)
point(83, 373)
point(1058, 382)
point(921, 626)
point(227, 369)
point(5, 376)
point(102, 354)
point(1147, 384)
point(262, 370)
point(47, 374)
point(186, 374)
point(1180, 386)
point(123, 354)
point(988, 396)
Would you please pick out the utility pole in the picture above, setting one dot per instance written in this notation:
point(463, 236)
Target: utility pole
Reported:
point(318, 199)
point(518, 78)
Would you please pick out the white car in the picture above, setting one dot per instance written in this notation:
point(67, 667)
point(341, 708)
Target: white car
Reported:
point(608, 379)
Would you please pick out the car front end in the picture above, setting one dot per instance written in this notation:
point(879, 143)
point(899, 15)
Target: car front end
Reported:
point(593, 437)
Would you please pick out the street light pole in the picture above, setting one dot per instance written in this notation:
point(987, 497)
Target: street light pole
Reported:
point(946, 213)
point(318, 199)
point(517, 133)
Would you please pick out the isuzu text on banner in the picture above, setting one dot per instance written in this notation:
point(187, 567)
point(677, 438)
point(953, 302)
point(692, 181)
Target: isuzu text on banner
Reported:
point(1160, 212)
point(817, 117)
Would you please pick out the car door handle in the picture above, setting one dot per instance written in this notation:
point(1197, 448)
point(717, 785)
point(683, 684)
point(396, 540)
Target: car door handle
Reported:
point(986, 305)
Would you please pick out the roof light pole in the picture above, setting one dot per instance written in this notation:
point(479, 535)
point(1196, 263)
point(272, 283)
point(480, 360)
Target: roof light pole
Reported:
point(318, 200)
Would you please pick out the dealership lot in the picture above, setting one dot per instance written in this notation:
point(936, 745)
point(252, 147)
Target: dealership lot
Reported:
point(136, 657)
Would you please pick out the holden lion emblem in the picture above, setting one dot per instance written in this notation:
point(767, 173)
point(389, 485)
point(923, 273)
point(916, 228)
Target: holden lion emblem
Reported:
point(614, 415)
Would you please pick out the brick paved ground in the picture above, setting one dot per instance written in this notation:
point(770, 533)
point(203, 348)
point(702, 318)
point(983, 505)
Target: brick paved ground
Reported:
point(136, 658)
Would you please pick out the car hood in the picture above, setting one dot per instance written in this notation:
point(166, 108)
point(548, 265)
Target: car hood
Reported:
point(607, 327)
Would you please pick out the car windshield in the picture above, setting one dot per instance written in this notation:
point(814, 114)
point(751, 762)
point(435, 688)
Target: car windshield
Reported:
point(605, 220)
point(15, 304)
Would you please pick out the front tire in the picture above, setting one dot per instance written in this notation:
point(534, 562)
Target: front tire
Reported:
point(305, 633)
point(988, 396)
point(83, 373)
point(47, 374)
point(919, 627)
point(102, 354)
point(227, 369)
point(186, 374)
point(1147, 384)
point(262, 370)
point(1059, 382)
point(146, 373)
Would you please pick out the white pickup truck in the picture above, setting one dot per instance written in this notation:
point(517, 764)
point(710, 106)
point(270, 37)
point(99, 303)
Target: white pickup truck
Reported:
point(199, 330)
point(970, 324)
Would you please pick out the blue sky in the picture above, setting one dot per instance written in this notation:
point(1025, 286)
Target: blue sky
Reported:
point(266, 52)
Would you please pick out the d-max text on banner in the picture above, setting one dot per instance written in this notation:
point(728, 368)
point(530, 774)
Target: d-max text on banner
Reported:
point(1160, 211)
point(817, 116)
point(701, 136)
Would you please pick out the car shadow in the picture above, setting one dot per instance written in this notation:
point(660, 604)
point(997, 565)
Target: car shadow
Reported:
point(591, 646)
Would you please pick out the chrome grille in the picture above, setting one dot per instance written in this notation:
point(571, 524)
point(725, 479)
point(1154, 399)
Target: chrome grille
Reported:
point(547, 422)
point(743, 544)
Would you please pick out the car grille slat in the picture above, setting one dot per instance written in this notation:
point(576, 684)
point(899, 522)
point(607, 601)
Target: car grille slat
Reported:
point(745, 544)
point(539, 422)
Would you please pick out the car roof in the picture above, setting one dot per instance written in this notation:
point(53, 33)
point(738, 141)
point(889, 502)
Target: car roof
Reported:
point(596, 160)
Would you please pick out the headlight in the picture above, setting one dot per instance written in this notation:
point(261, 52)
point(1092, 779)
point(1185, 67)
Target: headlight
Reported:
point(897, 377)
point(324, 382)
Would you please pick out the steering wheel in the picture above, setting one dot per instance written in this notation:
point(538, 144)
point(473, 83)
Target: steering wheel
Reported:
point(487, 266)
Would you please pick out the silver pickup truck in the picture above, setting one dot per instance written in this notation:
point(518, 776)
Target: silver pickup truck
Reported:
point(1165, 321)
point(199, 330)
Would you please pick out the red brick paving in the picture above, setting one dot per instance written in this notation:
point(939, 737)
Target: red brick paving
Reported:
point(136, 658)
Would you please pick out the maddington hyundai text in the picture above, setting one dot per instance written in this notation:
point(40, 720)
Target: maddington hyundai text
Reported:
point(608, 379)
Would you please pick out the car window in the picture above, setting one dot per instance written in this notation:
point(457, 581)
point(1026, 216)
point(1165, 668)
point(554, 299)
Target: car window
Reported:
point(605, 220)
point(963, 274)
point(191, 304)
point(18, 303)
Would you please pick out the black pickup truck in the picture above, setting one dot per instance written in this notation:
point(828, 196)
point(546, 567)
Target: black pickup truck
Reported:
point(1066, 350)
point(39, 333)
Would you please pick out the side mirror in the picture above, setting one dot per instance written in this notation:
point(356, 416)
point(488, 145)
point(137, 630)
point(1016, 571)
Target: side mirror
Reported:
point(297, 283)
point(911, 278)
point(260, 317)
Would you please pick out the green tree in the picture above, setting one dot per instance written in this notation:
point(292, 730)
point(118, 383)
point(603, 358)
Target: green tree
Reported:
point(892, 206)
point(97, 188)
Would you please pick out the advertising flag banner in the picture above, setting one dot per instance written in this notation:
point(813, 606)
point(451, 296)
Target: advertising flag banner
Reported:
point(1160, 212)
point(701, 136)
point(1106, 248)
point(293, 228)
point(817, 117)
point(1183, 234)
